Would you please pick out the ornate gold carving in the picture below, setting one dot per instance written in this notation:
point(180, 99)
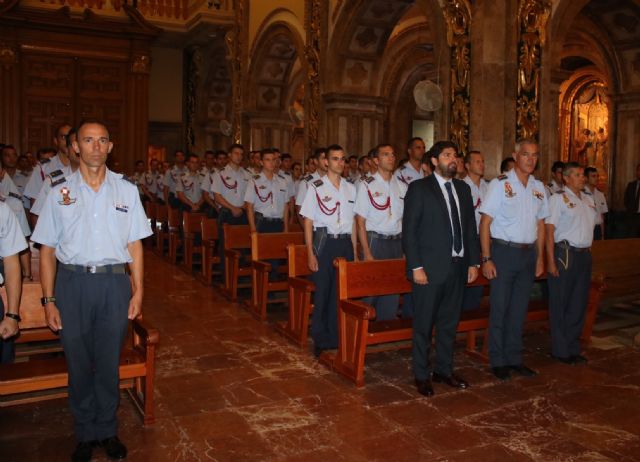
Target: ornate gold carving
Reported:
point(141, 64)
point(194, 64)
point(532, 20)
point(8, 55)
point(312, 55)
point(233, 40)
point(457, 14)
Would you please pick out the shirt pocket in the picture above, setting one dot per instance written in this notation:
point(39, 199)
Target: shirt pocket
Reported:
point(119, 222)
point(511, 208)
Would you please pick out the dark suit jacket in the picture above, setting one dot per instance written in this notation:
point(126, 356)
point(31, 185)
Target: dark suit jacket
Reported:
point(427, 238)
point(630, 203)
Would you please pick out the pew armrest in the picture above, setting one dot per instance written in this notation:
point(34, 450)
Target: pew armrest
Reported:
point(261, 266)
point(301, 284)
point(144, 334)
point(358, 309)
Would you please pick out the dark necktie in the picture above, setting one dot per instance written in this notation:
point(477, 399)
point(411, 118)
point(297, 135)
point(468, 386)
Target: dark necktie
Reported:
point(455, 217)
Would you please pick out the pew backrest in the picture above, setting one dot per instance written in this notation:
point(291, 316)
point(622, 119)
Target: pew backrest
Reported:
point(265, 246)
point(297, 260)
point(236, 236)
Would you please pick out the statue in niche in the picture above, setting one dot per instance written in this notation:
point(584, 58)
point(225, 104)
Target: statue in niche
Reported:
point(601, 137)
point(582, 146)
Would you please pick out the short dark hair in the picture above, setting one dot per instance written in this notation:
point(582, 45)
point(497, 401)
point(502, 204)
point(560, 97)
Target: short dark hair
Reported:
point(318, 152)
point(72, 132)
point(138, 162)
point(178, 151)
point(209, 152)
point(467, 158)
point(236, 145)
point(361, 160)
point(84, 122)
point(221, 153)
point(334, 147)
point(296, 164)
point(375, 152)
point(558, 164)
point(42, 151)
point(413, 140)
point(352, 156)
point(266, 151)
point(505, 163)
point(439, 146)
point(7, 146)
point(286, 156)
point(192, 155)
point(566, 168)
point(590, 170)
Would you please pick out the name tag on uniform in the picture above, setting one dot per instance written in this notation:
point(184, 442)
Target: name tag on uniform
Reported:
point(122, 208)
point(351, 202)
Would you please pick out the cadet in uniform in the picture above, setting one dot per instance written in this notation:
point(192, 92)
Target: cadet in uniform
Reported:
point(330, 232)
point(512, 240)
point(320, 162)
point(93, 226)
point(412, 169)
point(12, 242)
point(9, 161)
point(171, 177)
point(228, 187)
point(151, 180)
point(591, 175)
point(267, 198)
point(556, 185)
point(569, 234)
point(379, 207)
point(188, 186)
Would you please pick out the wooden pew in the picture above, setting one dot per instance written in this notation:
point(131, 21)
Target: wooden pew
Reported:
point(191, 227)
point(175, 224)
point(162, 228)
point(296, 328)
point(268, 246)
point(617, 263)
point(236, 239)
point(210, 257)
point(357, 328)
point(42, 378)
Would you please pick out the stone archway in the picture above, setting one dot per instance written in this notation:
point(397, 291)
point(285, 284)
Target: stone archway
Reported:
point(377, 52)
point(274, 75)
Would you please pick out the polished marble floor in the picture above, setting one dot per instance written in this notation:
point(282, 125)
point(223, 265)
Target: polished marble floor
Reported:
point(229, 388)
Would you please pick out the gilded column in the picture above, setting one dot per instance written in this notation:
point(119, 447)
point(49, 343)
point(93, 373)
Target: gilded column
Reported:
point(9, 94)
point(192, 81)
point(312, 84)
point(234, 39)
point(458, 17)
point(532, 20)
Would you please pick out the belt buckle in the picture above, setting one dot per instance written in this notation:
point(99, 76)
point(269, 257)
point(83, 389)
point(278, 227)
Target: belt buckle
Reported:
point(92, 269)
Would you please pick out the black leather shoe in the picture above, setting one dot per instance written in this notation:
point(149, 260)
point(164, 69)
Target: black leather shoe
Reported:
point(578, 359)
point(564, 360)
point(523, 370)
point(83, 452)
point(502, 372)
point(451, 380)
point(114, 448)
point(424, 387)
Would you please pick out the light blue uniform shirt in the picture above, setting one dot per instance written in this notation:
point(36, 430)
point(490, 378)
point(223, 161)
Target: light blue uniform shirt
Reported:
point(231, 184)
point(573, 217)
point(32, 189)
point(268, 197)
point(91, 228)
point(407, 174)
point(381, 204)
point(515, 209)
point(20, 179)
point(329, 207)
point(172, 175)
point(50, 181)
point(190, 185)
point(478, 194)
point(9, 195)
point(304, 186)
point(12, 240)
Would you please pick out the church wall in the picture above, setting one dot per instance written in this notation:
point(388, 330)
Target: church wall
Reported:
point(165, 85)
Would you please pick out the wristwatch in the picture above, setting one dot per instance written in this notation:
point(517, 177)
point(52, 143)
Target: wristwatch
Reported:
point(485, 259)
point(45, 300)
point(13, 316)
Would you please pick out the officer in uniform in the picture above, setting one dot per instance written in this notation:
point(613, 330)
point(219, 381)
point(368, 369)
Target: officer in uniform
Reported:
point(51, 166)
point(171, 178)
point(9, 160)
point(555, 185)
point(13, 199)
point(90, 229)
point(188, 187)
point(267, 198)
point(12, 242)
point(569, 234)
point(512, 241)
point(228, 187)
point(320, 162)
point(591, 175)
point(379, 208)
point(150, 180)
point(412, 169)
point(330, 232)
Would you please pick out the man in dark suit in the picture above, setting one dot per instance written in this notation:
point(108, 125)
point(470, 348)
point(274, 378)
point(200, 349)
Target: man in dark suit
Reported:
point(440, 242)
point(632, 204)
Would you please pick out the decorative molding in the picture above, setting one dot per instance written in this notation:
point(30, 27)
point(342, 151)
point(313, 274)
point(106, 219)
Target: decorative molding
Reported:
point(233, 39)
point(141, 64)
point(194, 67)
point(532, 21)
point(457, 15)
point(312, 85)
point(8, 55)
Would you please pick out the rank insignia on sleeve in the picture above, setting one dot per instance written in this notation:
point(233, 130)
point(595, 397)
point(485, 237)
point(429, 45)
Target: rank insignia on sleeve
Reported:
point(317, 183)
point(508, 190)
point(538, 194)
point(567, 201)
point(369, 179)
point(66, 200)
point(308, 178)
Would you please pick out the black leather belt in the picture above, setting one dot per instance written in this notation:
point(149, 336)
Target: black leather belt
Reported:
point(565, 245)
point(119, 268)
point(517, 245)
point(457, 259)
point(384, 236)
point(262, 217)
point(339, 236)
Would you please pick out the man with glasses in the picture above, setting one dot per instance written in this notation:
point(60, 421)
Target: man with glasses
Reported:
point(330, 232)
point(512, 243)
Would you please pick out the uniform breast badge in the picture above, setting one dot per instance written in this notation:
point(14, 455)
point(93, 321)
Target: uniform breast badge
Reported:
point(378, 206)
point(567, 201)
point(66, 200)
point(538, 195)
point(508, 190)
point(328, 210)
point(233, 186)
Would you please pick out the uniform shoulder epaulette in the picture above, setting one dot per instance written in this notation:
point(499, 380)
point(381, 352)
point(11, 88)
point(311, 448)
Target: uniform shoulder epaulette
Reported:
point(55, 173)
point(588, 193)
point(308, 178)
point(560, 191)
point(486, 181)
point(502, 177)
point(58, 181)
point(281, 176)
point(15, 195)
point(45, 161)
point(255, 177)
point(287, 173)
point(318, 183)
point(128, 179)
point(368, 179)
point(201, 174)
point(350, 180)
point(550, 184)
